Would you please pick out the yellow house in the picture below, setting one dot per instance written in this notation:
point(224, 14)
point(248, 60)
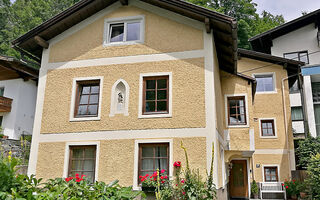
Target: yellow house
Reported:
point(122, 83)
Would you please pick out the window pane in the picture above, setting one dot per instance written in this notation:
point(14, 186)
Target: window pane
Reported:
point(116, 32)
point(88, 165)
point(161, 106)
point(133, 32)
point(293, 56)
point(89, 176)
point(296, 113)
point(151, 84)
point(82, 110)
point(265, 83)
point(161, 151)
point(77, 153)
point(162, 94)
point(304, 57)
point(86, 90)
point(147, 164)
point(150, 106)
point(94, 89)
point(150, 95)
point(76, 165)
point(161, 164)
point(84, 99)
point(89, 153)
point(162, 83)
point(94, 99)
point(1, 92)
point(147, 151)
point(93, 110)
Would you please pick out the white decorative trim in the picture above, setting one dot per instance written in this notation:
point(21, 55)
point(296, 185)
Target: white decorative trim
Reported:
point(73, 98)
point(136, 158)
point(271, 165)
point(113, 109)
point(67, 153)
point(140, 114)
point(223, 167)
point(125, 20)
point(226, 110)
point(271, 151)
point(252, 143)
point(274, 82)
point(275, 128)
point(127, 59)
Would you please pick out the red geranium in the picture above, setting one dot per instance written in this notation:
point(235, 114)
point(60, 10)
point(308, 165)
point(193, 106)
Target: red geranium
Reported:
point(177, 164)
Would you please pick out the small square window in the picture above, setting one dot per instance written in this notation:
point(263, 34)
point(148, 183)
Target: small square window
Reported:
point(267, 128)
point(87, 100)
point(299, 56)
point(82, 161)
point(1, 91)
point(237, 111)
point(296, 113)
point(124, 31)
point(265, 83)
point(271, 174)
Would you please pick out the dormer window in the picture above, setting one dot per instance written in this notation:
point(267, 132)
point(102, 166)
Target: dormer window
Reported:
point(124, 31)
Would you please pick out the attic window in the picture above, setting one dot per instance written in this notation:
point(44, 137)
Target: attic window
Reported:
point(124, 31)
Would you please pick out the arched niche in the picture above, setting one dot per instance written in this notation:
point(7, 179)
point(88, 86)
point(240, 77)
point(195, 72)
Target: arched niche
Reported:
point(119, 98)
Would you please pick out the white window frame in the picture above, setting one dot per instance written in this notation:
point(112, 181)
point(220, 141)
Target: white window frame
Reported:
point(73, 98)
point(274, 82)
point(136, 158)
point(227, 113)
point(125, 21)
point(271, 165)
point(140, 114)
point(67, 155)
point(275, 128)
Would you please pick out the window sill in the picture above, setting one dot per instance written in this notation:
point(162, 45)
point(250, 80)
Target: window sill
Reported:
point(268, 137)
point(105, 44)
point(77, 119)
point(271, 92)
point(238, 126)
point(156, 115)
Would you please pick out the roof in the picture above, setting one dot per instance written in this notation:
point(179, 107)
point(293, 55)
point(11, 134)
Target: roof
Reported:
point(291, 65)
point(263, 41)
point(11, 68)
point(224, 27)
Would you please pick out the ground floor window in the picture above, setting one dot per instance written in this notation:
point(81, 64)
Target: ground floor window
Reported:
point(271, 174)
point(82, 161)
point(153, 157)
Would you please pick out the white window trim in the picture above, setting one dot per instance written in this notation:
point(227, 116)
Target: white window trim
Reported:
point(274, 82)
point(113, 109)
point(140, 115)
point(227, 114)
point(73, 98)
point(136, 158)
point(275, 128)
point(67, 154)
point(125, 20)
point(271, 165)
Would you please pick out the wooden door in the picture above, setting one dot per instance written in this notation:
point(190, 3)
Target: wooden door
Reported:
point(238, 179)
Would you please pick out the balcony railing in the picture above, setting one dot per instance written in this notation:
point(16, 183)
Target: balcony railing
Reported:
point(5, 104)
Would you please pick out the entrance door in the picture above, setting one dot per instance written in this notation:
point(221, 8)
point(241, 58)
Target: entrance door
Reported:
point(238, 180)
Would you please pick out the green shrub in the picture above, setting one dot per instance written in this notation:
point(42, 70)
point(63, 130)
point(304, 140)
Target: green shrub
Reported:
point(7, 174)
point(254, 187)
point(313, 179)
point(306, 149)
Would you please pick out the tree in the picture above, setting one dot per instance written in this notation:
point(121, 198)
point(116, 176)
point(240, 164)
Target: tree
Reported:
point(306, 149)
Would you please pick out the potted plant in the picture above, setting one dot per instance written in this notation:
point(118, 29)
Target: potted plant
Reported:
point(149, 182)
point(292, 189)
point(302, 187)
point(254, 189)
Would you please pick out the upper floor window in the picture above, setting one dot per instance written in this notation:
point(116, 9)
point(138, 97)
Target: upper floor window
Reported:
point(271, 174)
point(236, 110)
point(299, 56)
point(267, 128)
point(1, 91)
point(296, 113)
point(124, 31)
point(265, 83)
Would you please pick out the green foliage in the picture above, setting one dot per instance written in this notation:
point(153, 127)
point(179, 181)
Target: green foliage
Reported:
point(306, 149)
point(313, 180)
point(254, 187)
point(249, 21)
point(7, 174)
point(292, 187)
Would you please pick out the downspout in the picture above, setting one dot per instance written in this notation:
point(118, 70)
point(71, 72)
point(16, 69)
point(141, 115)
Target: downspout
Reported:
point(285, 118)
point(305, 120)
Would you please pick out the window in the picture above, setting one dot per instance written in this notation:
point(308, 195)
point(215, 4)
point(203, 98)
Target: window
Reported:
point(271, 174)
point(153, 157)
point(265, 82)
point(1, 119)
point(299, 56)
point(87, 100)
point(82, 161)
point(295, 87)
point(121, 31)
point(1, 91)
point(156, 95)
point(296, 113)
point(267, 127)
point(236, 111)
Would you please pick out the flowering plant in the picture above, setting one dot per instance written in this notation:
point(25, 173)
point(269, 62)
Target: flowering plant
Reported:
point(76, 178)
point(151, 180)
point(291, 187)
point(177, 164)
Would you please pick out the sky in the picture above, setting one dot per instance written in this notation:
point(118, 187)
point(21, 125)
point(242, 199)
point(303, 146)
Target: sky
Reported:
point(290, 9)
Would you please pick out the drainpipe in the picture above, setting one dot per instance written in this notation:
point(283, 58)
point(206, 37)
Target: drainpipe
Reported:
point(285, 119)
point(305, 120)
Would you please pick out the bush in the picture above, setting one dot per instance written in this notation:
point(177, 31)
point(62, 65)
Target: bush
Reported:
point(306, 149)
point(313, 179)
point(292, 187)
point(254, 187)
point(7, 174)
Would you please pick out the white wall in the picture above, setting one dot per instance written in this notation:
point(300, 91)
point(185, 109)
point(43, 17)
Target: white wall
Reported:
point(20, 119)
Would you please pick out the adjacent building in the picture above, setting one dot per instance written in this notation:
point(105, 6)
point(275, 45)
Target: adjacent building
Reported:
point(18, 94)
point(123, 83)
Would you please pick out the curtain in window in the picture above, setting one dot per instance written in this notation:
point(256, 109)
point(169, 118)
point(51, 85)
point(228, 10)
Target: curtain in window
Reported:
point(296, 113)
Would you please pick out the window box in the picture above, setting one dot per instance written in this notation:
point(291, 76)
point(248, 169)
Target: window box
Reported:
point(148, 189)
